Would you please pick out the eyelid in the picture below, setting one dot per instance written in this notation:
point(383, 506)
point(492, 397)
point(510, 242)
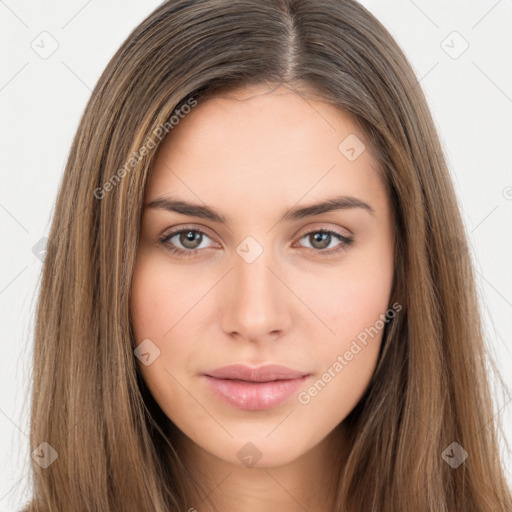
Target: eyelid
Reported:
point(319, 226)
point(184, 227)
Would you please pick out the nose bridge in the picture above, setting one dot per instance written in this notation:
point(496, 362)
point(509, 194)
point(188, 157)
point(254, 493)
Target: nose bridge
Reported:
point(254, 281)
point(256, 306)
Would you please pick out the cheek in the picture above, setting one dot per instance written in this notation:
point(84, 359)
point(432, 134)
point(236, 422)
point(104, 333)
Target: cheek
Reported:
point(346, 361)
point(158, 299)
point(353, 305)
point(157, 303)
point(355, 297)
point(167, 306)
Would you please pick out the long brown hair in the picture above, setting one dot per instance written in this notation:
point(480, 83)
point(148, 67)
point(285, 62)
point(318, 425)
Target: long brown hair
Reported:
point(116, 449)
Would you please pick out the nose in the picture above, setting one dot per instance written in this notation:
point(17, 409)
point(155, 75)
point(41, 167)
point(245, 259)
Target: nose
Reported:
point(255, 301)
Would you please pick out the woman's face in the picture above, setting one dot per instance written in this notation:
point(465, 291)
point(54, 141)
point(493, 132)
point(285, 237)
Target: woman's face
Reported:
point(262, 281)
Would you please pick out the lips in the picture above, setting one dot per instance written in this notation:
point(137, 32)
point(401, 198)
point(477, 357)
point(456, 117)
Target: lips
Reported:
point(254, 389)
point(262, 374)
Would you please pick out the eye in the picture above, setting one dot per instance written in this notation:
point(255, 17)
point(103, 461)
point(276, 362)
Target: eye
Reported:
point(191, 240)
point(321, 239)
point(188, 238)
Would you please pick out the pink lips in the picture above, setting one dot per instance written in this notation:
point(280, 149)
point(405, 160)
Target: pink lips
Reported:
point(255, 389)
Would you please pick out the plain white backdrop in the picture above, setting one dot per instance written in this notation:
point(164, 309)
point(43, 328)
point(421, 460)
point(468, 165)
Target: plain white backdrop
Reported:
point(54, 52)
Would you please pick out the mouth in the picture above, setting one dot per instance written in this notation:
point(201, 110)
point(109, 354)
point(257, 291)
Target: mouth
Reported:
point(254, 389)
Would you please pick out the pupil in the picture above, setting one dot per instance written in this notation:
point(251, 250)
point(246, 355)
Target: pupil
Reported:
point(190, 237)
point(318, 238)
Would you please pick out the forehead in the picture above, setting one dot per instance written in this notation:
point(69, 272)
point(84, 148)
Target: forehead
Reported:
point(259, 145)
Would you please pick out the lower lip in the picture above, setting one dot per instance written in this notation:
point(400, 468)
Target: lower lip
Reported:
point(254, 396)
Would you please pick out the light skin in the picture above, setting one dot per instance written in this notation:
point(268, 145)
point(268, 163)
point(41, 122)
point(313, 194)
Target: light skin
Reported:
point(252, 155)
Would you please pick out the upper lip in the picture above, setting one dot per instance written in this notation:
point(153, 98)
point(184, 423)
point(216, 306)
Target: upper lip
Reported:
point(265, 373)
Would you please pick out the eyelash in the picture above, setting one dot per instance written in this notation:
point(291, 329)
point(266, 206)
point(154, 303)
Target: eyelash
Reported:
point(346, 241)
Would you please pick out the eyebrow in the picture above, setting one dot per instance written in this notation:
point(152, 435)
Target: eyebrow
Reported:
point(208, 213)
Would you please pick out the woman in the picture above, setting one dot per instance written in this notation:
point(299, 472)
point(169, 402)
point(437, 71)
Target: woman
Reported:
point(256, 290)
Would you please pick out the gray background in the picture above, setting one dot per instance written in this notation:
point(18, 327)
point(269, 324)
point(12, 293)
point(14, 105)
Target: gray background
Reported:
point(43, 96)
